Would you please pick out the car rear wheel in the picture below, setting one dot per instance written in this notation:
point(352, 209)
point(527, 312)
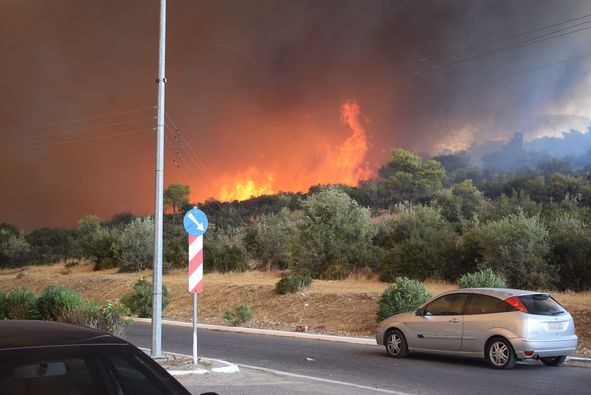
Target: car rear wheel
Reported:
point(396, 344)
point(553, 361)
point(500, 353)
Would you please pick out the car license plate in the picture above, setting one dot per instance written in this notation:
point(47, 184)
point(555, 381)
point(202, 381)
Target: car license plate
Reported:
point(555, 326)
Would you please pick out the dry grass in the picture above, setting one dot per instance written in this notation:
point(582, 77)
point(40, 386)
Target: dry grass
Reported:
point(345, 307)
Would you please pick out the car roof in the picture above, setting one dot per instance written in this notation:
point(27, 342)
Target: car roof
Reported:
point(501, 293)
point(31, 334)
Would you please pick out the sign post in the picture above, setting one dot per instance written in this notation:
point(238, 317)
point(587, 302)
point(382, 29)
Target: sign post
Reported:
point(195, 223)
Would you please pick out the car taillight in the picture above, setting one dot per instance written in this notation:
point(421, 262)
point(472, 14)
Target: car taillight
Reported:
point(516, 303)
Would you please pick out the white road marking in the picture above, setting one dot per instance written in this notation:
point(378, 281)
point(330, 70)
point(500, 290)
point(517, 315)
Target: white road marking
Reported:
point(226, 369)
point(344, 383)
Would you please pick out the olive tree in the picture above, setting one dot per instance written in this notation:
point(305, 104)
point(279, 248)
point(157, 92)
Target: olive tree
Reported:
point(515, 246)
point(408, 178)
point(136, 248)
point(331, 232)
point(570, 252)
point(274, 236)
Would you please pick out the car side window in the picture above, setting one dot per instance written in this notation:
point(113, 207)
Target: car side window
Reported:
point(132, 377)
point(484, 304)
point(447, 305)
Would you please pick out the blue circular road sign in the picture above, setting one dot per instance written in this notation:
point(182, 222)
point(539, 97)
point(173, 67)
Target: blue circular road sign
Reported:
point(195, 222)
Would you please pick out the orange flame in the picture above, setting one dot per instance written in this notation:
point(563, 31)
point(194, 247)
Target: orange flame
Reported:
point(246, 185)
point(351, 167)
point(341, 164)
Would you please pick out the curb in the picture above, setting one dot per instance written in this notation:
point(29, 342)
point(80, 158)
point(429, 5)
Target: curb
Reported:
point(228, 367)
point(581, 362)
point(269, 332)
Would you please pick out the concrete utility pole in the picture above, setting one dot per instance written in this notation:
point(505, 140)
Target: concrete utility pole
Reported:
point(159, 206)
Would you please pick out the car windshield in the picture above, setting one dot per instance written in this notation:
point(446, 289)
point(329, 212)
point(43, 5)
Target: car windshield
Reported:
point(541, 304)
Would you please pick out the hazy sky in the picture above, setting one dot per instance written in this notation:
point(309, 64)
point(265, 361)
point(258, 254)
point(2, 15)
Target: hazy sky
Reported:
point(257, 90)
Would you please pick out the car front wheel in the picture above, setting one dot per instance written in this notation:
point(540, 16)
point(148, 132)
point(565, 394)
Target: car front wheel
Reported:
point(500, 354)
point(553, 361)
point(396, 344)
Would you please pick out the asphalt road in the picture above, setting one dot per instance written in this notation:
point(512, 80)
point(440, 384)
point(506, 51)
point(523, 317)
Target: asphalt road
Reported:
point(369, 365)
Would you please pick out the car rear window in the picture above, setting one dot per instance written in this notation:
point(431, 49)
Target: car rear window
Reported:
point(541, 304)
point(27, 374)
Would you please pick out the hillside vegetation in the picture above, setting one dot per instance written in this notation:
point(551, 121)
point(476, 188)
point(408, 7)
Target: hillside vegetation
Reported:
point(423, 219)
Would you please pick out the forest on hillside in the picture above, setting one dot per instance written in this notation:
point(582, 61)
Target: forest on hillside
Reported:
point(437, 218)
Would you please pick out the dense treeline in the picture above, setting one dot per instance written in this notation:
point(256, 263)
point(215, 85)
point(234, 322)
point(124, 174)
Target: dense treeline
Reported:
point(438, 218)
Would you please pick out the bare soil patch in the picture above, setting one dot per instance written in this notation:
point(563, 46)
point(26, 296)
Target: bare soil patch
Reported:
point(346, 307)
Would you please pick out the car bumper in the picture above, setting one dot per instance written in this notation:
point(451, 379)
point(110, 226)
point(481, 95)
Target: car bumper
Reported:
point(544, 348)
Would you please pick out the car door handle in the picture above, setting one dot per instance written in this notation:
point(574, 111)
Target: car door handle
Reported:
point(454, 321)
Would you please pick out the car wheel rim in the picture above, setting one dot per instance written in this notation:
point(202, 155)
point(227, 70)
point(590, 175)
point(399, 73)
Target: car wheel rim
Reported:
point(499, 353)
point(394, 344)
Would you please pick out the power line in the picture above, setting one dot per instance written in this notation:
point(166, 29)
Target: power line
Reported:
point(75, 131)
point(77, 141)
point(194, 158)
point(182, 163)
point(189, 147)
point(415, 97)
point(430, 94)
point(75, 120)
point(530, 41)
point(177, 163)
point(334, 113)
point(522, 44)
point(527, 42)
point(367, 107)
point(538, 29)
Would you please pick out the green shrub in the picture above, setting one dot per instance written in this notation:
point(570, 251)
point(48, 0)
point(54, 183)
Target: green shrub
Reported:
point(139, 300)
point(112, 318)
point(406, 295)
point(109, 318)
point(55, 299)
point(292, 283)
point(483, 279)
point(230, 259)
point(20, 304)
point(238, 314)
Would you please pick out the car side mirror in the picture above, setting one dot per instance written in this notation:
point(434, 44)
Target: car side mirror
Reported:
point(420, 312)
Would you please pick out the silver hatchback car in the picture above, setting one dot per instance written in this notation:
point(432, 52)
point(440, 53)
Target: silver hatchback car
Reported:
point(501, 325)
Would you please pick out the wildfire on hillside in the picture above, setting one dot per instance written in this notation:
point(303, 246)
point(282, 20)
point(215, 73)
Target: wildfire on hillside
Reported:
point(246, 185)
point(341, 164)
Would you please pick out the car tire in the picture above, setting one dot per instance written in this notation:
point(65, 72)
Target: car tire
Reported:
point(553, 361)
point(395, 344)
point(500, 354)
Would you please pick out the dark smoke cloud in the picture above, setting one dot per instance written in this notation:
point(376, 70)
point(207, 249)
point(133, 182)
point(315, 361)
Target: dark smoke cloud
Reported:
point(235, 66)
